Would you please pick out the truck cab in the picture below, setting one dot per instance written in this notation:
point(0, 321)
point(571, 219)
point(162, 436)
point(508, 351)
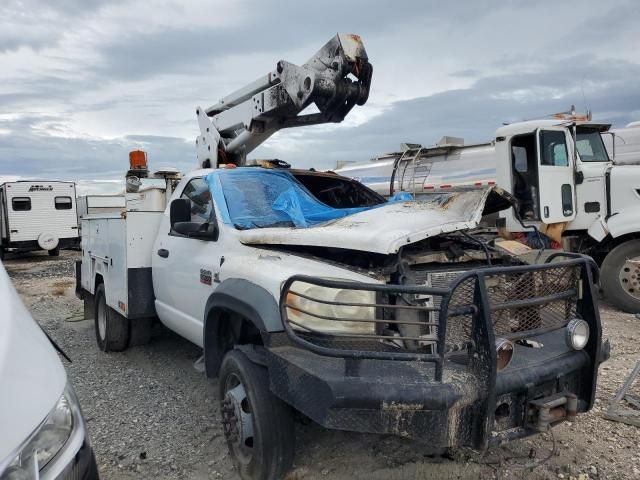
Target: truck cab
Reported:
point(563, 177)
point(539, 166)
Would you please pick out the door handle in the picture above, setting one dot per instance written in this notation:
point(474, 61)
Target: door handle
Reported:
point(163, 253)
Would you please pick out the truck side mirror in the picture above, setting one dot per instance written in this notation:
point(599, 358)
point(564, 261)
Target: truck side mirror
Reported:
point(180, 211)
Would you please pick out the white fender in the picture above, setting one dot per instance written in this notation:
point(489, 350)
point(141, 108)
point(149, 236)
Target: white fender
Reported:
point(624, 222)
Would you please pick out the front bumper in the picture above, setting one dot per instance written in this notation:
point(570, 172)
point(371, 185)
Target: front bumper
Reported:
point(82, 466)
point(401, 398)
point(450, 393)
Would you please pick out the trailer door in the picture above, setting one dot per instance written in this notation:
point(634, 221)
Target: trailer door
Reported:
point(556, 178)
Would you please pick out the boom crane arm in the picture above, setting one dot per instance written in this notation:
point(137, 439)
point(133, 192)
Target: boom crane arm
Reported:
point(335, 79)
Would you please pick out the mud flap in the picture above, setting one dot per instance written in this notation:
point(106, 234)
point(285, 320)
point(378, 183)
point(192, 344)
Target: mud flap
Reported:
point(89, 305)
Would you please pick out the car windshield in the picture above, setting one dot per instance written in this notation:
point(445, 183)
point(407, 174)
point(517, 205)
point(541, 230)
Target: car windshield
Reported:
point(590, 146)
point(258, 198)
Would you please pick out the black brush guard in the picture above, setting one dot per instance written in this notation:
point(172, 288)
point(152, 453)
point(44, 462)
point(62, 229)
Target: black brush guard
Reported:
point(444, 391)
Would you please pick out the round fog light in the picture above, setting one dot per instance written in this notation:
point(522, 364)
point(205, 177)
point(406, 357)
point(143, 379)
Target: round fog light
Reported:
point(577, 334)
point(504, 353)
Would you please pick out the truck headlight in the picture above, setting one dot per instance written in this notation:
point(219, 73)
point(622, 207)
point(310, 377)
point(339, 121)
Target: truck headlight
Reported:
point(45, 442)
point(330, 310)
point(577, 334)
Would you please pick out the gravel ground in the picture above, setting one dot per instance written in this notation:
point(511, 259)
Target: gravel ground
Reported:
point(151, 414)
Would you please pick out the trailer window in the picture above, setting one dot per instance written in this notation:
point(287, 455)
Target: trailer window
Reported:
point(553, 146)
point(63, 203)
point(197, 191)
point(21, 204)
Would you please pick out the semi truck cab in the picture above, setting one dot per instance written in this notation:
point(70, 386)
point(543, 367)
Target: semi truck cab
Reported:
point(562, 176)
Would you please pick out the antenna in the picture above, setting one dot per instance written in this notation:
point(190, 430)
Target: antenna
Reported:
point(584, 98)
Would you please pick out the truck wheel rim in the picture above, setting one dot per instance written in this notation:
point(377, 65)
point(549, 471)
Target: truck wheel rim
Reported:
point(237, 420)
point(102, 319)
point(630, 277)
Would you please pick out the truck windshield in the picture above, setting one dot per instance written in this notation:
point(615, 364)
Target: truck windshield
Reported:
point(590, 146)
point(257, 198)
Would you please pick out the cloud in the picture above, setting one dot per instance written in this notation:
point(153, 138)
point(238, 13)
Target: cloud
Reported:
point(37, 24)
point(84, 81)
point(37, 149)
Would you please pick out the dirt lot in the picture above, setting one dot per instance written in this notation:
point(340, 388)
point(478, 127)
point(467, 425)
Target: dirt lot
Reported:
point(151, 414)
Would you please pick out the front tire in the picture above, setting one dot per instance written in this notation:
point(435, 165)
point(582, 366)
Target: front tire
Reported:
point(54, 252)
point(258, 426)
point(620, 276)
point(112, 329)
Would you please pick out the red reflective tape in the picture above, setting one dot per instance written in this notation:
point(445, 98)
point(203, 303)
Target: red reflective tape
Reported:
point(491, 183)
point(477, 184)
point(429, 187)
point(445, 186)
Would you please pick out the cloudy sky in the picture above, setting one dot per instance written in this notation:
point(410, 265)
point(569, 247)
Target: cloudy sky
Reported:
point(85, 81)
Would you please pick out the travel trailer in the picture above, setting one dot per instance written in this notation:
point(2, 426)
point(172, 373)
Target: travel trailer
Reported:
point(38, 215)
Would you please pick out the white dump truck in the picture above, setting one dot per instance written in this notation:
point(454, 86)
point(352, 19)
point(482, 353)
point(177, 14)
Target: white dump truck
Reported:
point(308, 291)
point(38, 215)
point(559, 171)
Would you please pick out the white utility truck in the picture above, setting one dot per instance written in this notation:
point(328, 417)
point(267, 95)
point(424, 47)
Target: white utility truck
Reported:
point(38, 215)
point(308, 291)
point(561, 176)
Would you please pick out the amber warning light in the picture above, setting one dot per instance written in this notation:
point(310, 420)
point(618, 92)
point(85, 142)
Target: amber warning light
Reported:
point(138, 160)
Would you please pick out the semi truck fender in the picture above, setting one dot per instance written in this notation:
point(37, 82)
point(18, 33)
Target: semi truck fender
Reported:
point(624, 222)
point(244, 299)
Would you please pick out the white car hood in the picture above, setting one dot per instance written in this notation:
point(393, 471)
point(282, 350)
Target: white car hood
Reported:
point(32, 377)
point(384, 229)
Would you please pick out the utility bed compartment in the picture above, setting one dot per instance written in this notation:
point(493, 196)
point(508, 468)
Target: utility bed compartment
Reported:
point(117, 249)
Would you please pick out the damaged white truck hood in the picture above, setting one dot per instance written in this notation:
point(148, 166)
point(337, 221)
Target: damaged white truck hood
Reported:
point(385, 229)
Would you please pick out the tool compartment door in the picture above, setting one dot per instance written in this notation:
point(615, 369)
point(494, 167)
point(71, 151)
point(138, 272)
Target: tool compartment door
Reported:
point(556, 176)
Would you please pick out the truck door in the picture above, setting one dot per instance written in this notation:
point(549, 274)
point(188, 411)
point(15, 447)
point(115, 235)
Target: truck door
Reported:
point(556, 177)
point(185, 270)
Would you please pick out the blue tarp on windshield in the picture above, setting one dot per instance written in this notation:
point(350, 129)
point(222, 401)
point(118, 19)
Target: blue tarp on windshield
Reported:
point(259, 198)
